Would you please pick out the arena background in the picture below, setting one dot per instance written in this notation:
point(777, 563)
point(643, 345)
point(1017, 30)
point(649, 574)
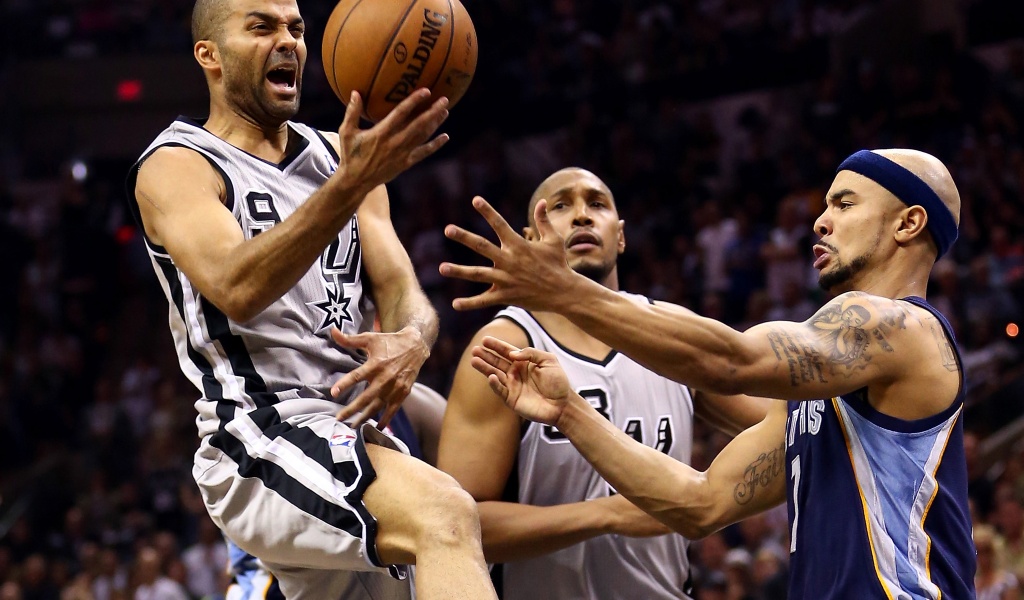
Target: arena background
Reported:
point(716, 123)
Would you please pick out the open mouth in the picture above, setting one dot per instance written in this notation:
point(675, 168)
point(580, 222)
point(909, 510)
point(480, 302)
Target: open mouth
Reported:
point(821, 255)
point(282, 78)
point(582, 240)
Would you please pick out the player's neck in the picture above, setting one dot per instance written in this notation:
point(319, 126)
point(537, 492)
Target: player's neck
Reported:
point(895, 279)
point(271, 143)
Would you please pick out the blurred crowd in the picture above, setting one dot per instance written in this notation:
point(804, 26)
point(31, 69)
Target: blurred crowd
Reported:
point(96, 422)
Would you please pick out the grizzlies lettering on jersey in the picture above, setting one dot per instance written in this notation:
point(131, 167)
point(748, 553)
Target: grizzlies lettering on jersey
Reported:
point(285, 351)
point(549, 471)
point(878, 505)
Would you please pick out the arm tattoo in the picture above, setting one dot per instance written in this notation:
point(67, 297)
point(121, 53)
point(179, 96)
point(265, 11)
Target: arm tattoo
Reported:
point(804, 361)
point(843, 333)
point(945, 348)
point(759, 474)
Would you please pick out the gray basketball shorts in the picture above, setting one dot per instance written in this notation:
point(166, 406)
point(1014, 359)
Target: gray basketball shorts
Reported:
point(286, 483)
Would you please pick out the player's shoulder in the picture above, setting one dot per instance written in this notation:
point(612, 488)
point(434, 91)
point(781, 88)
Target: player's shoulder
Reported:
point(181, 165)
point(332, 138)
point(861, 309)
point(507, 329)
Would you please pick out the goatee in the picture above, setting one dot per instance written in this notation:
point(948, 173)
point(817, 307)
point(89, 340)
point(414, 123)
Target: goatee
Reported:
point(841, 274)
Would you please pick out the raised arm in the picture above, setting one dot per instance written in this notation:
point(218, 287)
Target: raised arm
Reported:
point(747, 477)
point(479, 444)
point(182, 204)
point(856, 340)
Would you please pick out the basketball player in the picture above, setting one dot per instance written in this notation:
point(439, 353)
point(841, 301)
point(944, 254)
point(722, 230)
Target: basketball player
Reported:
point(550, 529)
point(260, 230)
point(869, 448)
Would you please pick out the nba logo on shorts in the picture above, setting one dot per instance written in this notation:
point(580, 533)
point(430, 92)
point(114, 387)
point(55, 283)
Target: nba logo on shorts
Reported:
point(343, 439)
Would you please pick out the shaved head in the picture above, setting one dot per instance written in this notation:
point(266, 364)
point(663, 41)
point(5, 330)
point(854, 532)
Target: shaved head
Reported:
point(208, 18)
point(561, 179)
point(931, 171)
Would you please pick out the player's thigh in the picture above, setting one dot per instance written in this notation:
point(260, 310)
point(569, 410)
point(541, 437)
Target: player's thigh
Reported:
point(290, 492)
point(415, 504)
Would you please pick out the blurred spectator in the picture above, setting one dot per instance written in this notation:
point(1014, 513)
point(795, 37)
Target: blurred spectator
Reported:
point(206, 562)
point(786, 250)
point(992, 581)
point(979, 487)
point(151, 581)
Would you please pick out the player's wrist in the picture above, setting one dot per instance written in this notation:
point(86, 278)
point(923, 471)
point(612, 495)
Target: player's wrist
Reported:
point(574, 412)
point(348, 184)
point(415, 336)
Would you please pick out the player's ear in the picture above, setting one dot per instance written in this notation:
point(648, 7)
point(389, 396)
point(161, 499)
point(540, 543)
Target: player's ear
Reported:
point(206, 54)
point(622, 236)
point(912, 222)
point(529, 234)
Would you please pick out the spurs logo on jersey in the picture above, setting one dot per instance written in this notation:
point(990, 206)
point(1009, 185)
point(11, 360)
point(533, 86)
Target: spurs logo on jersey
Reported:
point(286, 350)
point(652, 410)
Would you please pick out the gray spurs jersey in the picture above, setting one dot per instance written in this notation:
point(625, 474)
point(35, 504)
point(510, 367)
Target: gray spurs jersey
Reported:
point(653, 410)
point(286, 350)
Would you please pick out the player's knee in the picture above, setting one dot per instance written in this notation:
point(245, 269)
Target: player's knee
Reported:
point(450, 515)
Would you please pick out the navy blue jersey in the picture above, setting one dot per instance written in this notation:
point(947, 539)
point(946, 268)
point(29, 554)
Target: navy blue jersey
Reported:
point(878, 505)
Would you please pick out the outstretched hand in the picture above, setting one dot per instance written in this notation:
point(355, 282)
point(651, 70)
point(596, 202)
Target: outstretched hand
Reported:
point(531, 382)
point(530, 274)
point(392, 365)
point(377, 155)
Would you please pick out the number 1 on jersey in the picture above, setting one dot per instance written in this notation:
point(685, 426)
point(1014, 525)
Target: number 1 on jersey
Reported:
point(795, 469)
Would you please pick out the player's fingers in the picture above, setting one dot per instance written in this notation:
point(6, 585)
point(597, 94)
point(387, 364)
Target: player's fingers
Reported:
point(498, 223)
point(389, 412)
point(484, 300)
point(427, 149)
point(427, 122)
point(470, 273)
point(544, 227)
point(358, 340)
point(498, 387)
point(364, 415)
point(363, 404)
point(532, 355)
point(489, 362)
point(350, 124)
point(476, 243)
point(350, 379)
point(400, 115)
point(499, 347)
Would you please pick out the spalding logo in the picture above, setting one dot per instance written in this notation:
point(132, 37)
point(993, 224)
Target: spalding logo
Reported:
point(401, 53)
point(429, 32)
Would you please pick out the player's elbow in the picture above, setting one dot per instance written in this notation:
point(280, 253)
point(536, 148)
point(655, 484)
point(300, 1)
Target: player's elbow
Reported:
point(721, 377)
point(729, 374)
point(238, 304)
point(704, 525)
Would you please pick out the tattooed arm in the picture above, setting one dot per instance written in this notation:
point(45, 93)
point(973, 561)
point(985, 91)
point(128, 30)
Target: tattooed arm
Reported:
point(747, 477)
point(854, 341)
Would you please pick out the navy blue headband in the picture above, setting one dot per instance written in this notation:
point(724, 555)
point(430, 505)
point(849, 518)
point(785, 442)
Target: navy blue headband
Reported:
point(909, 189)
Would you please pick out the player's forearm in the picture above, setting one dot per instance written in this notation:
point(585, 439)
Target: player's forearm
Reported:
point(407, 306)
point(677, 344)
point(513, 531)
point(262, 269)
point(668, 490)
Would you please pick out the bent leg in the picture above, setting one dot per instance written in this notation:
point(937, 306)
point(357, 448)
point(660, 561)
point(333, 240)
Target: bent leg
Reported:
point(425, 518)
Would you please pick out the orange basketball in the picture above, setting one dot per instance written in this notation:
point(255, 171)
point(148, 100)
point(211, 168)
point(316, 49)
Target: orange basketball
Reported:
point(386, 49)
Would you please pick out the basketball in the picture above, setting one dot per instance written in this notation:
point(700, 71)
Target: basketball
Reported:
point(386, 49)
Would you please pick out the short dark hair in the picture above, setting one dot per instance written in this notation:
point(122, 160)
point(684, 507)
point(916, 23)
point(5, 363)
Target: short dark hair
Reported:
point(208, 18)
